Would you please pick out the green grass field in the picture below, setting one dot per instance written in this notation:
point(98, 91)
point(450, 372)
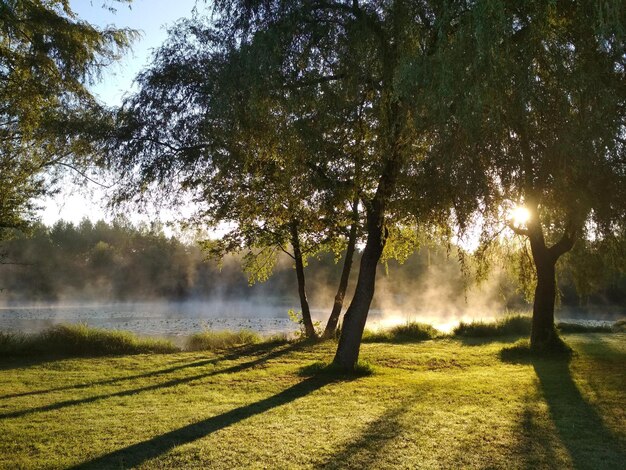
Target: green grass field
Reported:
point(443, 403)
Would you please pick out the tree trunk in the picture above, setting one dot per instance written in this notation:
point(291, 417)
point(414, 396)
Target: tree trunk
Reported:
point(354, 320)
point(333, 320)
point(309, 329)
point(543, 334)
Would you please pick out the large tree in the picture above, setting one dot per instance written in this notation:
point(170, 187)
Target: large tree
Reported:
point(222, 123)
point(48, 57)
point(534, 116)
point(297, 54)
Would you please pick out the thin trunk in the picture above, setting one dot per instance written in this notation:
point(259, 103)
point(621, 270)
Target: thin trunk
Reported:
point(309, 329)
point(333, 320)
point(354, 320)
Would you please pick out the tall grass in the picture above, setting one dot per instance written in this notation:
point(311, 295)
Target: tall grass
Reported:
point(81, 340)
point(579, 328)
point(217, 340)
point(406, 333)
point(512, 325)
point(619, 326)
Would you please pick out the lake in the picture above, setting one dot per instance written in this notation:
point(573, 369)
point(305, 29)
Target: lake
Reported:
point(185, 318)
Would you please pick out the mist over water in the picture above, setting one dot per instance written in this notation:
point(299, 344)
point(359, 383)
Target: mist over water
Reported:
point(120, 277)
point(435, 299)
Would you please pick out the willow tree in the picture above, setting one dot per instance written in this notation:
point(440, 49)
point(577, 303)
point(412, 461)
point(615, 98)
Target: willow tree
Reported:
point(369, 45)
point(534, 117)
point(48, 57)
point(218, 121)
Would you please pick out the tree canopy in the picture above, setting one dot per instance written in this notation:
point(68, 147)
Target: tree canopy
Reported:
point(48, 57)
point(293, 121)
point(535, 117)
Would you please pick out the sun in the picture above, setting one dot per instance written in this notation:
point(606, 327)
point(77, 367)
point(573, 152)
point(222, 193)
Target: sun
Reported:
point(519, 216)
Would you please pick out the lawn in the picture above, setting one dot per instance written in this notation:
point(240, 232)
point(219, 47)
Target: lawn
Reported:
point(443, 403)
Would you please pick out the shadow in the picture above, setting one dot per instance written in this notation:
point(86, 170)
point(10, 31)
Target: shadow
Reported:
point(113, 381)
point(238, 353)
point(22, 362)
point(596, 344)
point(136, 454)
point(580, 427)
point(535, 442)
point(481, 341)
point(169, 383)
point(366, 450)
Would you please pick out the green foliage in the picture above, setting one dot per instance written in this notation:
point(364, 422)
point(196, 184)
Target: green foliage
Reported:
point(220, 340)
point(80, 340)
point(296, 317)
point(512, 325)
point(48, 56)
point(259, 264)
point(524, 124)
point(101, 261)
point(407, 333)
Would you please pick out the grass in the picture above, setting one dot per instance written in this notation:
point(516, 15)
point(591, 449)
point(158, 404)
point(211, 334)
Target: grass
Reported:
point(80, 340)
point(619, 326)
point(320, 368)
point(218, 340)
point(406, 333)
point(564, 327)
point(512, 325)
point(434, 404)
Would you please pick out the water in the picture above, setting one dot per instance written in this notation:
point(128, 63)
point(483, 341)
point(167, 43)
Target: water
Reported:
point(185, 318)
point(153, 319)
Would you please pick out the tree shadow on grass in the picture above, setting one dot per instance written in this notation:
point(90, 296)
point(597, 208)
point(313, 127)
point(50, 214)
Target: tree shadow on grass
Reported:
point(484, 340)
point(365, 451)
point(170, 383)
point(23, 362)
point(580, 427)
point(596, 344)
point(136, 454)
point(237, 353)
point(536, 441)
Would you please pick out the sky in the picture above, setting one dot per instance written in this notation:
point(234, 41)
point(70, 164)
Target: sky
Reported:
point(151, 18)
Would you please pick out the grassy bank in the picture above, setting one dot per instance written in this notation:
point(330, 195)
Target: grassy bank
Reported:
point(445, 403)
point(81, 340)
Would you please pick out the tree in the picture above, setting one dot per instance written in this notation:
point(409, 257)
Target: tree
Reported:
point(297, 53)
point(220, 122)
point(48, 56)
point(534, 117)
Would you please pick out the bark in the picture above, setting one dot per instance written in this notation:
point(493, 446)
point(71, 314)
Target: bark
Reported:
point(354, 320)
point(543, 334)
point(309, 329)
point(333, 319)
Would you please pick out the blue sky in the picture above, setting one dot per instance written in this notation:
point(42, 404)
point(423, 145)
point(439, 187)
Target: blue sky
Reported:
point(151, 18)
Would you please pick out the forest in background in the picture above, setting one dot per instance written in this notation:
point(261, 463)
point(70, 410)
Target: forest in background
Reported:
point(121, 262)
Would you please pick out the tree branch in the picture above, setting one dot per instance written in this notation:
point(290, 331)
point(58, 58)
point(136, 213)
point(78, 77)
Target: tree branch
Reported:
point(518, 230)
point(71, 167)
point(565, 244)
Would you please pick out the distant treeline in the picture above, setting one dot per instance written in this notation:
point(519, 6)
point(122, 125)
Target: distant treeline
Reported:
point(119, 261)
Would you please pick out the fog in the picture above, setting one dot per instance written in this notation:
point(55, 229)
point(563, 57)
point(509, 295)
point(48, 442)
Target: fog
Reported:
point(137, 279)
